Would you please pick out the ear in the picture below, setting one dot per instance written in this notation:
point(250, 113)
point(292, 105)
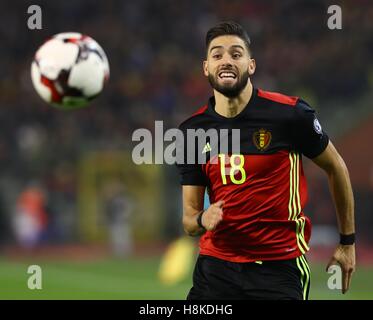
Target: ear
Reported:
point(205, 68)
point(252, 67)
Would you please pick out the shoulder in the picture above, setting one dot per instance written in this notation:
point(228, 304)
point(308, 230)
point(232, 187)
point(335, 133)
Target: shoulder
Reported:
point(296, 106)
point(194, 118)
point(277, 98)
point(303, 109)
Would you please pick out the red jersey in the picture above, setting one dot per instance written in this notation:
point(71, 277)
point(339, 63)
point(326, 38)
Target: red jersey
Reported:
point(263, 186)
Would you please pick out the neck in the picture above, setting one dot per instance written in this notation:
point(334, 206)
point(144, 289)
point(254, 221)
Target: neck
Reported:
point(230, 107)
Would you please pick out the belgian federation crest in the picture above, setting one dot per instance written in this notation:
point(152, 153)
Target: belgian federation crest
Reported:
point(262, 138)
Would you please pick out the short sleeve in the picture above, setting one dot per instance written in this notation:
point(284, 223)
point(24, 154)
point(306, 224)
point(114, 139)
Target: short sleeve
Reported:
point(308, 135)
point(192, 175)
point(191, 172)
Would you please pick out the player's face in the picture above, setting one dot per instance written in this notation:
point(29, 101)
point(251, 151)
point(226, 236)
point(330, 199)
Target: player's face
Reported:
point(228, 65)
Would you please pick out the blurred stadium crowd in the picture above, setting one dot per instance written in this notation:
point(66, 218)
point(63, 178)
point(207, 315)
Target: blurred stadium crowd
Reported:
point(155, 50)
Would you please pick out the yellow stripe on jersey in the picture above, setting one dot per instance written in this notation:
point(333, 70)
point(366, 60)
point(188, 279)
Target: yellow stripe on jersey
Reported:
point(301, 234)
point(295, 209)
point(297, 186)
point(295, 203)
point(297, 233)
point(302, 244)
point(291, 187)
point(294, 199)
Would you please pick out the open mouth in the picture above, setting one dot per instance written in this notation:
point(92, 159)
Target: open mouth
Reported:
point(227, 75)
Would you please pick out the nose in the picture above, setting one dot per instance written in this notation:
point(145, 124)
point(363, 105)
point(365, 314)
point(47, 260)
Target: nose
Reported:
point(226, 60)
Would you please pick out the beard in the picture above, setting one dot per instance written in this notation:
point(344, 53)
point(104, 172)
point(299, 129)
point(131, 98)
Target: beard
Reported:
point(230, 91)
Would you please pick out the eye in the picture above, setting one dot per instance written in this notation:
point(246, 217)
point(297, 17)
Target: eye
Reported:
point(216, 56)
point(236, 55)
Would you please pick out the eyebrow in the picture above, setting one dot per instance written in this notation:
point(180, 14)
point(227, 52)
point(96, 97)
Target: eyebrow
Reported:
point(234, 46)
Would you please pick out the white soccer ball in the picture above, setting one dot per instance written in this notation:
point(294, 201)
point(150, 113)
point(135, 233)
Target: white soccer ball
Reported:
point(69, 70)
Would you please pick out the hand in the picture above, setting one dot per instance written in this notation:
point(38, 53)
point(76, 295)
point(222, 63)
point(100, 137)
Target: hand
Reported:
point(345, 257)
point(213, 215)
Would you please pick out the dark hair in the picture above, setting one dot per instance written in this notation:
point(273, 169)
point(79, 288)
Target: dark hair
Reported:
point(228, 28)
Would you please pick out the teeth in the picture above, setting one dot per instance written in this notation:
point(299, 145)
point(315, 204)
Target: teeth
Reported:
point(227, 75)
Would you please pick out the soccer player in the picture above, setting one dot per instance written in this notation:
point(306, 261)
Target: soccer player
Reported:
point(254, 235)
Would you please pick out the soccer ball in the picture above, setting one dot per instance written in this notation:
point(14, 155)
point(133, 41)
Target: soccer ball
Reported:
point(69, 70)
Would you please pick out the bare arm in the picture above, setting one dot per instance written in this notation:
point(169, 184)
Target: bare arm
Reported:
point(193, 198)
point(192, 205)
point(340, 187)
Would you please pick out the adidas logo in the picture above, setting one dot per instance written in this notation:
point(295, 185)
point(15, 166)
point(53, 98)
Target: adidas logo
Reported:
point(207, 148)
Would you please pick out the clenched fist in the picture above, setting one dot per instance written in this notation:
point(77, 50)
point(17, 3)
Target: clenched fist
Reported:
point(213, 215)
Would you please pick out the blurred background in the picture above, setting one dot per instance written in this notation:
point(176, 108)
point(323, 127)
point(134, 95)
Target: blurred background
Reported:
point(71, 199)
